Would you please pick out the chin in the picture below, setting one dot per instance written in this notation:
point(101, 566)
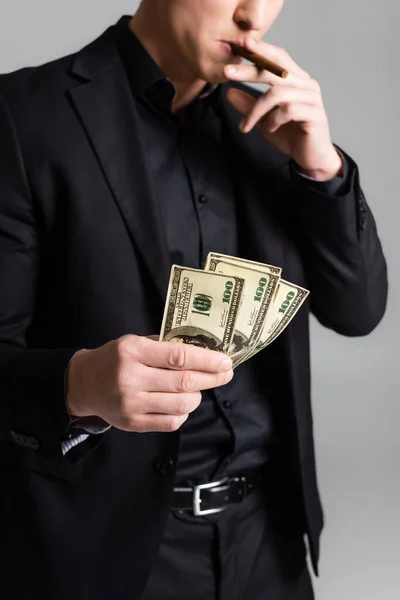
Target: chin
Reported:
point(214, 75)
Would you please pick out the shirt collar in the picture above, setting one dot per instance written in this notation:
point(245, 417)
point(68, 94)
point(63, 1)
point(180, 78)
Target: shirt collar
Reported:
point(208, 90)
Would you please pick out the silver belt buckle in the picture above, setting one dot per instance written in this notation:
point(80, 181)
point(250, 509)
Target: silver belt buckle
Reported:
point(215, 486)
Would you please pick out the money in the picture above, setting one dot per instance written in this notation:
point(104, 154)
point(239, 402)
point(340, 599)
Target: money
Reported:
point(288, 300)
point(234, 305)
point(245, 261)
point(261, 284)
point(201, 308)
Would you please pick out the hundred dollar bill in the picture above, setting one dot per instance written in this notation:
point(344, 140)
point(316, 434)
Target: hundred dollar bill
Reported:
point(201, 308)
point(256, 300)
point(288, 300)
point(244, 261)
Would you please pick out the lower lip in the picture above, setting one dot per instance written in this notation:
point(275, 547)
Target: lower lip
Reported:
point(228, 47)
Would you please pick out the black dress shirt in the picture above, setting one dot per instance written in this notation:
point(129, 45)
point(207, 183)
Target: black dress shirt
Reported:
point(233, 429)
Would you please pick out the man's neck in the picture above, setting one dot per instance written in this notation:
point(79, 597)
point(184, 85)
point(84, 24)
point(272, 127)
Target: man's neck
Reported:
point(186, 85)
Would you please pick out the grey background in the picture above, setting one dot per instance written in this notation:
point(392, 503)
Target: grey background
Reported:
point(350, 47)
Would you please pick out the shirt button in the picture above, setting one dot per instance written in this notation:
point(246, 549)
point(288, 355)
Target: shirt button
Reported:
point(165, 465)
point(202, 199)
point(227, 404)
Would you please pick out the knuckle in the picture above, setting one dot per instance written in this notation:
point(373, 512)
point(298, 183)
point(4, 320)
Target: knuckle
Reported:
point(177, 356)
point(128, 376)
point(183, 404)
point(121, 346)
point(174, 423)
point(186, 382)
point(124, 345)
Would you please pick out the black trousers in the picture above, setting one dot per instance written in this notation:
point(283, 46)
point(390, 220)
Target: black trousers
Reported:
point(251, 551)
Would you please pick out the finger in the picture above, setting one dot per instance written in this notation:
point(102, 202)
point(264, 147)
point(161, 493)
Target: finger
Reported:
point(294, 112)
point(172, 381)
point(278, 96)
point(148, 423)
point(241, 101)
point(165, 403)
point(277, 55)
point(252, 74)
point(170, 355)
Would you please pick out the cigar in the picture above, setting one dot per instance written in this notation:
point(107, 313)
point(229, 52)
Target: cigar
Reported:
point(260, 61)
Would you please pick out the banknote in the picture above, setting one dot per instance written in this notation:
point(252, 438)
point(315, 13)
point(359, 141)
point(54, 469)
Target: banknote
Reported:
point(287, 301)
point(260, 286)
point(201, 308)
point(245, 261)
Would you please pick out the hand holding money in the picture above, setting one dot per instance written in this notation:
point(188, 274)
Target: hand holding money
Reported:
point(235, 306)
point(137, 384)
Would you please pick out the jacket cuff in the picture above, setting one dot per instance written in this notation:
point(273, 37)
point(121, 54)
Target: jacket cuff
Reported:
point(321, 214)
point(332, 187)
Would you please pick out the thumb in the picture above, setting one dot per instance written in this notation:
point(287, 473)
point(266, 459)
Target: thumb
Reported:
point(241, 101)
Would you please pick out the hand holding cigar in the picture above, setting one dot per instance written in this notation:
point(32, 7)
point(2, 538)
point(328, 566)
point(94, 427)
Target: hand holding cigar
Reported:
point(290, 114)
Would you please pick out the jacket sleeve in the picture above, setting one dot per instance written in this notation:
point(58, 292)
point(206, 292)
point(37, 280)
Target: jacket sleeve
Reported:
point(344, 258)
point(331, 187)
point(32, 403)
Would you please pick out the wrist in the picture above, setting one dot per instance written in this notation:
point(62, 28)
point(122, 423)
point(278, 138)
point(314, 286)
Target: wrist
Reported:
point(332, 167)
point(74, 392)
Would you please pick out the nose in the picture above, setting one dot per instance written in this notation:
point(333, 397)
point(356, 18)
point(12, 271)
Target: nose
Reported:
point(250, 14)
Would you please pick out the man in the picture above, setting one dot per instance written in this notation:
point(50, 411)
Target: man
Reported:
point(143, 150)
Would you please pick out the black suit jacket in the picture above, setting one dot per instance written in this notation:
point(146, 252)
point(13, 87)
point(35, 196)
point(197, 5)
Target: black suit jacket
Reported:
point(83, 260)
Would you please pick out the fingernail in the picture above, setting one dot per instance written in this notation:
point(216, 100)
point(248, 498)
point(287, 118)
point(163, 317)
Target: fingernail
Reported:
point(231, 70)
point(229, 375)
point(226, 364)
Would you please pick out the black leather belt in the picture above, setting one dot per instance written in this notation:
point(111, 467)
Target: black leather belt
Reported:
point(213, 497)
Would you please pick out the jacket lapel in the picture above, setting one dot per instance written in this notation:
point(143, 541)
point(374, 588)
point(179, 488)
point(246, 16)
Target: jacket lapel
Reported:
point(105, 107)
